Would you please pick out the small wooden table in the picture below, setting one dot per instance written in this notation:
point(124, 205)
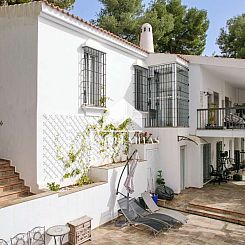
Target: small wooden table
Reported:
point(80, 230)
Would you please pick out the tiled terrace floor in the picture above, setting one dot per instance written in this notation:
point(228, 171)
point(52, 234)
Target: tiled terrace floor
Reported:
point(228, 196)
point(197, 231)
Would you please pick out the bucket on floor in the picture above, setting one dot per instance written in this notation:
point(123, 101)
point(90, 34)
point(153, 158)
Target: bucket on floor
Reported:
point(155, 198)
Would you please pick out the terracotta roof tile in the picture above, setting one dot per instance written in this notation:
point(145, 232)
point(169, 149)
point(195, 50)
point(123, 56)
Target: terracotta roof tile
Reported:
point(93, 26)
point(183, 58)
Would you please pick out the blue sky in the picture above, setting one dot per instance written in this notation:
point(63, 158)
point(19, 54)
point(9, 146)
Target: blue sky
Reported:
point(218, 12)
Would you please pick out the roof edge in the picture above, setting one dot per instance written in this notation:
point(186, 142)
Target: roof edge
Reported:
point(103, 31)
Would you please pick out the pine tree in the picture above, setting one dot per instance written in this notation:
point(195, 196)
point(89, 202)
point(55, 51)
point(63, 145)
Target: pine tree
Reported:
point(176, 29)
point(185, 29)
point(231, 40)
point(64, 4)
point(121, 17)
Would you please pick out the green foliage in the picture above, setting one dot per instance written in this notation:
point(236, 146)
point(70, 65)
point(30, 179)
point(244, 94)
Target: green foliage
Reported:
point(106, 131)
point(103, 101)
point(64, 4)
point(212, 114)
point(176, 29)
point(160, 179)
point(237, 177)
point(120, 17)
point(53, 186)
point(231, 40)
point(76, 160)
point(84, 179)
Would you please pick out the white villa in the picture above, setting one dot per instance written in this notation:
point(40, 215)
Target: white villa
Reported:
point(56, 68)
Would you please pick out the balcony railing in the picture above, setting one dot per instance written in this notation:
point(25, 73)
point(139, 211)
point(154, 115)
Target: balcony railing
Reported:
point(221, 118)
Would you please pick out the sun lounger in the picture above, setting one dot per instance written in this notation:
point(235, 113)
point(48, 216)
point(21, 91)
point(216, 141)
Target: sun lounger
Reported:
point(132, 218)
point(169, 221)
point(153, 208)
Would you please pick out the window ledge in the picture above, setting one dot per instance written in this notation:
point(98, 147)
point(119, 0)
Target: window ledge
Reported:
point(92, 111)
point(144, 112)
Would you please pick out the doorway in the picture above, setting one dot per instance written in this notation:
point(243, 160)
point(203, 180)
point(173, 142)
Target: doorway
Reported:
point(219, 149)
point(182, 167)
point(206, 162)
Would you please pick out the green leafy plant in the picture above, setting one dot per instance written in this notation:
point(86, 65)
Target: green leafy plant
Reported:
point(112, 139)
point(160, 179)
point(84, 180)
point(211, 115)
point(103, 101)
point(53, 186)
point(237, 177)
point(119, 134)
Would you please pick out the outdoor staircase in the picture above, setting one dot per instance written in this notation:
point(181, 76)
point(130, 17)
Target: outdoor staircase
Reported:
point(11, 186)
point(216, 213)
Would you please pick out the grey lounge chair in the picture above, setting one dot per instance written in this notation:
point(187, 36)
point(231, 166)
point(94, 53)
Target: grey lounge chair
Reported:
point(155, 209)
point(133, 219)
point(167, 220)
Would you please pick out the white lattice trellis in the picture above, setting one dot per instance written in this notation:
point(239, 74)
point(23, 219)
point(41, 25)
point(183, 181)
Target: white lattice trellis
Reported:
point(61, 132)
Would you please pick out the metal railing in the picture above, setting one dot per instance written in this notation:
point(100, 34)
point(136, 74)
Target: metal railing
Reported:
point(221, 118)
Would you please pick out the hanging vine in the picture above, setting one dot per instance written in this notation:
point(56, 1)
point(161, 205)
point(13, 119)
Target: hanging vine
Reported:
point(112, 140)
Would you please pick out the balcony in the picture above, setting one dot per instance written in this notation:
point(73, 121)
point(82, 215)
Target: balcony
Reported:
point(219, 119)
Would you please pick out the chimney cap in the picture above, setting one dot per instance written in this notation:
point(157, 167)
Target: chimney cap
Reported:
point(146, 38)
point(146, 26)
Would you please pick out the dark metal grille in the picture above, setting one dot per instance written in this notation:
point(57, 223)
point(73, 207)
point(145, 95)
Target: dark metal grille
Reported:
point(141, 83)
point(93, 78)
point(168, 96)
point(221, 118)
point(182, 95)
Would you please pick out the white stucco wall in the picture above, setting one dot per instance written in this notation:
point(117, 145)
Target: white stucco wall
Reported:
point(59, 53)
point(18, 90)
point(169, 158)
point(213, 83)
point(99, 203)
point(196, 81)
point(162, 58)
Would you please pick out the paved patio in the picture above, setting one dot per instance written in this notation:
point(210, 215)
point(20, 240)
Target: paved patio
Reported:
point(198, 230)
point(228, 196)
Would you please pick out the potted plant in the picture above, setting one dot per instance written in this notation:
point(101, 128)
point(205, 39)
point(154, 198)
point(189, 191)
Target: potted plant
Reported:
point(160, 180)
point(237, 177)
point(163, 191)
point(211, 115)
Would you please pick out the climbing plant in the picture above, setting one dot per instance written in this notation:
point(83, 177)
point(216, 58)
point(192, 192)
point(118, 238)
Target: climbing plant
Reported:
point(112, 141)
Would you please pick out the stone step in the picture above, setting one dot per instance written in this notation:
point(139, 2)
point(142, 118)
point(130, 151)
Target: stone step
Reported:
point(3, 161)
point(211, 214)
point(13, 194)
point(12, 186)
point(216, 210)
point(4, 165)
point(9, 179)
point(7, 172)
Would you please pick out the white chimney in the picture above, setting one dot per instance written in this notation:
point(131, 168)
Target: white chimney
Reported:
point(146, 38)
